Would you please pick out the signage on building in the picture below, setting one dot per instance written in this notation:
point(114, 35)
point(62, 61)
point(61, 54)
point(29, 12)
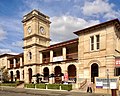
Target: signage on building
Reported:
point(117, 61)
point(111, 83)
point(58, 58)
point(66, 76)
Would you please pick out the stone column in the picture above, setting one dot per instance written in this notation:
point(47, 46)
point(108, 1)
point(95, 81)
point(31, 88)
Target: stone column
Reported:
point(34, 73)
point(14, 75)
point(8, 64)
point(21, 75)
point(51, 70)
point(51, 56)
point(26, 75)
point(41, 57)
point(14, 62)
point(21, 63)
point(64, 70)
point(64, 53)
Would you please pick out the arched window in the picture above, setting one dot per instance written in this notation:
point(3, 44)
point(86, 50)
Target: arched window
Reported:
point(29, 56)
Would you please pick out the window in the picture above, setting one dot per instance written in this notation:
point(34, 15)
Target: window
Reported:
point(29, 56)
point(92, 42)
point(95, 42)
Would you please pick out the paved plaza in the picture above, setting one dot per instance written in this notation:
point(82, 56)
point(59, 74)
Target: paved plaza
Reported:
point(30, 92)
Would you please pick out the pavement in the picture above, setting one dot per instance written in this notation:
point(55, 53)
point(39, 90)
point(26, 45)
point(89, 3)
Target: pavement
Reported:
point(10, 91)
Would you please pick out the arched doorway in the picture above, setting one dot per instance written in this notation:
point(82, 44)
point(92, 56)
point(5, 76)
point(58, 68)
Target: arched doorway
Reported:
point(72, 73)
point(94, 72)
point(17, 75)
point(57, 71)
point(11, 76)
point(46, 73)
point(30, 75)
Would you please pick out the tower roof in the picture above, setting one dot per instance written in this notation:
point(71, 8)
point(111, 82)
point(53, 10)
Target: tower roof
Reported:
point(37, 14)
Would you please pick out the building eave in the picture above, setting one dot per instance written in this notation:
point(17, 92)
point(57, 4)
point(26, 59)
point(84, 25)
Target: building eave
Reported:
point(114, 21)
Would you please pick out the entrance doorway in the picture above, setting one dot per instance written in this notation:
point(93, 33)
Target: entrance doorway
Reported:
point(17, 75)
point(30, 75)
point(94, 72)
point(58, 78)
point(72, 73)
point(11, 75)
point(46, 73)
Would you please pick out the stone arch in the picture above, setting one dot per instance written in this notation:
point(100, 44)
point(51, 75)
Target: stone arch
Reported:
point(30, 75)
point(11, 76)
point(46, 73)
point(72, 72)
point(17, 75)
point(57, 72)
point(94, 71)
point(94, 61)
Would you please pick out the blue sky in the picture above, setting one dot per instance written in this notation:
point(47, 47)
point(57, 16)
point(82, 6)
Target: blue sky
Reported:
point(66, 16)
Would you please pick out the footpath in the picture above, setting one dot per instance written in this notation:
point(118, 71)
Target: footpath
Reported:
point(43, 91)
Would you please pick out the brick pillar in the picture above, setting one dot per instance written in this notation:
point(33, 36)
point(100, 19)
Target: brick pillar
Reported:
point(21, 63)
point(51, 56)
point(64, 53)
point(14, 62)
point(41, 57)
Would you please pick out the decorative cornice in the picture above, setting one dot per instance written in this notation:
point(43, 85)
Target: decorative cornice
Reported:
point(35, 44)
point(36, 35)
point(30, 16)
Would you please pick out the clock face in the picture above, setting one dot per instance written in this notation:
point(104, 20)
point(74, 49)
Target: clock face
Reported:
point(29, 29)
point(42, 30)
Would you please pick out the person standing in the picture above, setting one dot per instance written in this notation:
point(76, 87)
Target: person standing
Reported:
point(89, 88)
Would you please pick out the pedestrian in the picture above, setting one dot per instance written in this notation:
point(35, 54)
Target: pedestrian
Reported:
point(89, 88)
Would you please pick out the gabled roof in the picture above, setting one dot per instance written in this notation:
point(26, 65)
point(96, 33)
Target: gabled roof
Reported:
point(6, 54)
point(114, 21)
point(16, 56)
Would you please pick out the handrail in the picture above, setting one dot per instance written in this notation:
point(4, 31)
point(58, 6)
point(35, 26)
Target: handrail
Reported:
point(83, 84)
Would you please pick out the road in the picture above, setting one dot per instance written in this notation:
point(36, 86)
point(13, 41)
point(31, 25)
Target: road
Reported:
point(31, 92)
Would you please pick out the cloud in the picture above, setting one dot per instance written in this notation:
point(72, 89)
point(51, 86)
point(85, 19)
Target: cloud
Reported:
point(62, 27)
point(11, 24)
point(5, 51)
point(2, 34)
point(100, 7)
point(17, 44)
point(8, 51)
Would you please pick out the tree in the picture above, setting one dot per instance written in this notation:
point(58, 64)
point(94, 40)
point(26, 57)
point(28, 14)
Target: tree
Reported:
point(5, 76)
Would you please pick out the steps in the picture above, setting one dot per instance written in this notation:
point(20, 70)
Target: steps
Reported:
point(83, 86)
point(20, 86)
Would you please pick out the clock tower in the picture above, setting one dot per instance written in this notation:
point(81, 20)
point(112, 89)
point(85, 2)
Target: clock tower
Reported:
point(36, 36)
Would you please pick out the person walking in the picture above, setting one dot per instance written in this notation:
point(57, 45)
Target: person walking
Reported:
point(89, 88)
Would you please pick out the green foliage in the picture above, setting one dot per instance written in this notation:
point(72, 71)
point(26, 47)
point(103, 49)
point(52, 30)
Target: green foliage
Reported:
point(9, 84)
point(5, 75)
point(50, 86)
point(41, 86)
point(66, 87)
point(53, 86)
point(30, 85)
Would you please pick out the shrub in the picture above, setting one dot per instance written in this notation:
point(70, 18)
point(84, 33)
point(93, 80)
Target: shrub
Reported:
point(9, 84)
point(66, 87)
point(53, 86)
point(41, 86)
point(30, 85)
